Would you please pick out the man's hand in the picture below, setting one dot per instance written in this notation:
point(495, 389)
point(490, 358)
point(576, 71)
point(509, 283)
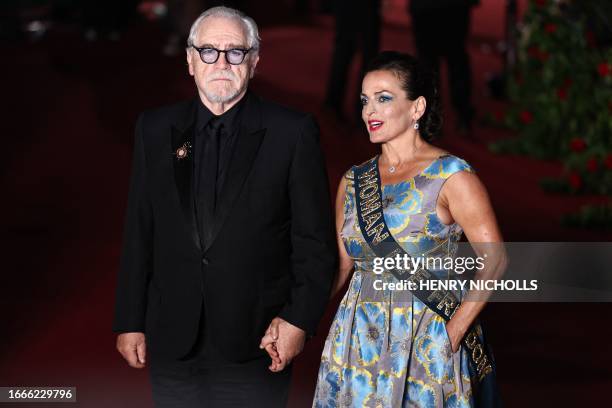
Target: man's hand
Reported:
point(133, 348)
point(288, 341)
point(268, 342)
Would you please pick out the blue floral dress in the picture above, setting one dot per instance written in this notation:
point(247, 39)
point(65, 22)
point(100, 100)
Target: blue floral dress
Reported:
point(386, 348)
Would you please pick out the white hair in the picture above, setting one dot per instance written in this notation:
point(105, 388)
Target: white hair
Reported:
point(250, 27)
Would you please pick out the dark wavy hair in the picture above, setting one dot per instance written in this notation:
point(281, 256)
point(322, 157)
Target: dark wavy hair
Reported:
point(416, 80)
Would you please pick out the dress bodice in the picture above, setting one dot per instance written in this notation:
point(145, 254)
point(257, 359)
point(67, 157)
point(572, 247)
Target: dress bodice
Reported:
point(409, 208)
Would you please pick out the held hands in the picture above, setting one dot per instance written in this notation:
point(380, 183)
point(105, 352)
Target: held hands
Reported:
point(133, 348)
point(282, 341)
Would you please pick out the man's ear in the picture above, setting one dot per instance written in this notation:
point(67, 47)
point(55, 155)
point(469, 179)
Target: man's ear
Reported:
point(254, 64)
point(190, 61)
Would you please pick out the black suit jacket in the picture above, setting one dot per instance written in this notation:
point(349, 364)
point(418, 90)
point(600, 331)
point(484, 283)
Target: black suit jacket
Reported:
point(272, 252)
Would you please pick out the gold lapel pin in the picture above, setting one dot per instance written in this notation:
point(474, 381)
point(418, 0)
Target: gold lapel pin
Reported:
point(183, 151)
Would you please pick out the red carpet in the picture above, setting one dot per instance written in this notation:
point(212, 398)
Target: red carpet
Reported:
point(70, 109)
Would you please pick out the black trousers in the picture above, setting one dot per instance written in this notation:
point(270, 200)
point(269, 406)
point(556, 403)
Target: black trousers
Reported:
point(442, 33)
point(191, 384)
point(204, 378)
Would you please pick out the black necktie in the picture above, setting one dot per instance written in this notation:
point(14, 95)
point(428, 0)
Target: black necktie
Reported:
point(210, 169)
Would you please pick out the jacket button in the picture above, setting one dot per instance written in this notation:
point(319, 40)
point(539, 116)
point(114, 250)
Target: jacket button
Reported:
point(205, 260)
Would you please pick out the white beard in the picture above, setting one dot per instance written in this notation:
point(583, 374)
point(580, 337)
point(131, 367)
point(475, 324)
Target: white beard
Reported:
point(229, 94)
point(221, 98)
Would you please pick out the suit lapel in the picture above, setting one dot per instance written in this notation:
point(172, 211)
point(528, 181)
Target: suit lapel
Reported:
point(247, 145)
point(183, 134)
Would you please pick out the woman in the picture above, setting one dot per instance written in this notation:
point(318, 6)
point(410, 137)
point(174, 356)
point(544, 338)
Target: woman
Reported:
point(386, 348)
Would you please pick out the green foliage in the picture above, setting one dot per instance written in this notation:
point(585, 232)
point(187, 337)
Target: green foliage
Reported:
point(554, 185)
point(561, 94)
point(593, 216)
point(561, 98)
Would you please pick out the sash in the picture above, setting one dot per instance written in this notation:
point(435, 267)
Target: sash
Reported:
point(368, 196)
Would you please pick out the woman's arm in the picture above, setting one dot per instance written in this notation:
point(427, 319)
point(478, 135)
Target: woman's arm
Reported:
point(464, 200)
point(345, 262)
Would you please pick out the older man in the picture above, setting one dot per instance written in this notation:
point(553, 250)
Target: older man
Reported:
point(228, 229)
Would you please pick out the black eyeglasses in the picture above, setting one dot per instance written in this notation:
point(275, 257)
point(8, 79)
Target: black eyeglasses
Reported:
point(233, 56)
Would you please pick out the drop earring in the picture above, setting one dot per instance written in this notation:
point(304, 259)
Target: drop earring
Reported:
point(416, 125)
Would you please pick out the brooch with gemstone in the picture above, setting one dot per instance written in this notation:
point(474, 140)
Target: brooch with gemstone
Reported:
point(183, 151)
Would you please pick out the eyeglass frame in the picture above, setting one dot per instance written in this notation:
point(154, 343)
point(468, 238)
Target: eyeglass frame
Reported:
point(200, 49)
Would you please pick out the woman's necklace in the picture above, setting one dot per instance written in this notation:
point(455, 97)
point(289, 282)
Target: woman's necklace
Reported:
point(393, 168)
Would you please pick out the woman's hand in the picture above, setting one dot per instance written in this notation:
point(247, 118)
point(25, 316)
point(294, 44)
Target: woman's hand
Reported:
point(455, 334)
